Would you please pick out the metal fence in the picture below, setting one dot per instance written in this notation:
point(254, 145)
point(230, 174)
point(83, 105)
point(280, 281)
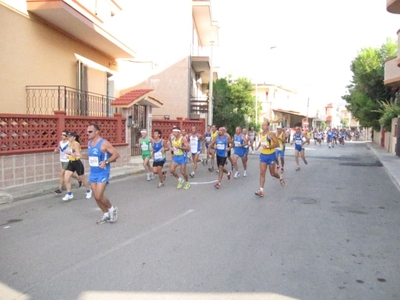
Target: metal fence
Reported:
point(45, 99)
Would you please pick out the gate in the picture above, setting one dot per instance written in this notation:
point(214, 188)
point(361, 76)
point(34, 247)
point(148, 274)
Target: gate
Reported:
point(139, 121)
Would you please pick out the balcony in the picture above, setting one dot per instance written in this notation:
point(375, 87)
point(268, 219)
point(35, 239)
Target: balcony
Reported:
point(84, 22)
point(45, 99)
point(198, 106)
point(393, 6)
point(392, 72)
point(206, 27)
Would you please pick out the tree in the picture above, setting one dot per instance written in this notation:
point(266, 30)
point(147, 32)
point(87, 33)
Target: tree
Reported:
point(233, 102)
point(367, 91)
point(345, 123)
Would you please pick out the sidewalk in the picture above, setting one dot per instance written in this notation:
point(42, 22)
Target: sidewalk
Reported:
point(390, 161)
point(21, 192)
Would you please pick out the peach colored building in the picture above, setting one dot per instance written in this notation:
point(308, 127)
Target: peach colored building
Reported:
point(88, 45)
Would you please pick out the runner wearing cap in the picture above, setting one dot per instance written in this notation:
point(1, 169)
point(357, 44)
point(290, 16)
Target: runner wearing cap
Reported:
point(179, 145)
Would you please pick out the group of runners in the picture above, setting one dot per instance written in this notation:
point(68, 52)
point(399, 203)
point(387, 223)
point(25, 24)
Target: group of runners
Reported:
point(182, 146)
point(333, 136)
point(221, 150)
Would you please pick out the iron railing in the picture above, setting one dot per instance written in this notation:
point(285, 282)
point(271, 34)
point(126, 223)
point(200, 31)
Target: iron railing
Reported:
point(198, 106)
point(45, 99)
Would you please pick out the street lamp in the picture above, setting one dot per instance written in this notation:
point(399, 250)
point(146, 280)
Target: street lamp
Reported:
point(210, 90)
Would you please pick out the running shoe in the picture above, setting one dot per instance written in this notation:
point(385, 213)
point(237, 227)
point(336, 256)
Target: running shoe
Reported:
point(282, 170)
point(68, 197)
point(163, 173)
point(148, 177)
point(260, 193)
point(180, 183)
point(186, 186)
point(114, 216)
point(88, 194)
point(217, 185)
point(80, 183)
point(191, 174)
point(305, 161)
point(211, 169)
point(298, 169)
point(229, 175)
point(57, 192)
point(244, 173)
point(104, 219)
point(152, 176)
point(236, 176)
point(217, 170)
point(203, 161)
point(161, 184)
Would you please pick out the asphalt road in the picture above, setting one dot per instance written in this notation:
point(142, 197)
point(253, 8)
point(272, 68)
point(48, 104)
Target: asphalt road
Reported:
point(331, 233)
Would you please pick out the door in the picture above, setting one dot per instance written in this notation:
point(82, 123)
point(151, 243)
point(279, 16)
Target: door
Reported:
point(139, 121)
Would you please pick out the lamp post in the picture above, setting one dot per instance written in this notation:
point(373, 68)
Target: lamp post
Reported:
point(210, 90)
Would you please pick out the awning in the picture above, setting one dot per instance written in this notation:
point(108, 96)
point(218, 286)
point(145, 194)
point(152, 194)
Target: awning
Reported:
point(140, 97)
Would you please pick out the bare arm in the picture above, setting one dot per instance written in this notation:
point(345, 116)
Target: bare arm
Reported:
point(107, 147)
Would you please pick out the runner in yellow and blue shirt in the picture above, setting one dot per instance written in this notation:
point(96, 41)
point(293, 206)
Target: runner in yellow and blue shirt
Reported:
point(179, 146)
point(268, 142)
point(211, 150)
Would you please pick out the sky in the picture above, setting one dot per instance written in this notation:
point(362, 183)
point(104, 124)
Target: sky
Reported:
point(314, 42)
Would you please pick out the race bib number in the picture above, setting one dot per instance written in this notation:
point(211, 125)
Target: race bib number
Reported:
point(298, 142)
point(193, 145)
point(176, 151)
point(237, 143)
point(93, 161)
point(220, 146)
point(208, 139)
point(158, 155)
point(145, 147)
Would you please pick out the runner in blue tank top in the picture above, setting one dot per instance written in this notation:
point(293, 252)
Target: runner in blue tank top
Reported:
point(240, 142)
point(221, 143)
point(159, 148)
point(300, 139)
point(100, 154)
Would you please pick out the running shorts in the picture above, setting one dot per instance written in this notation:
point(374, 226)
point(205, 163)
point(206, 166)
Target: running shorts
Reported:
point(268, 158)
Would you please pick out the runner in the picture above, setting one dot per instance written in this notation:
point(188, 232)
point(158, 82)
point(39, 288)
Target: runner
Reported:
point(144, 144)
point(252, 137)
point(100, 154)
point(268, 142)
point(159, 149)
point(247, 145)
point(211, 150)
point(62, 146)
point(180, 146)
point(239, 151)
point(329, 135)
point(221, 143)
point(280, 151)
point(319, 137)
point(207, 138)
point(299, 139)
point(74, 165)
point(195, 140)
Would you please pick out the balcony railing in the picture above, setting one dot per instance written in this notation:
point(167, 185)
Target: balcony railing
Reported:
point(45, 99)
point(198, 106)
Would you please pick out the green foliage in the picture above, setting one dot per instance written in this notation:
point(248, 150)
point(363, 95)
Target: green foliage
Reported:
point(345, 123)
point(389, 111)
point(367, 89)
point(323, 125)
point(233, 102)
